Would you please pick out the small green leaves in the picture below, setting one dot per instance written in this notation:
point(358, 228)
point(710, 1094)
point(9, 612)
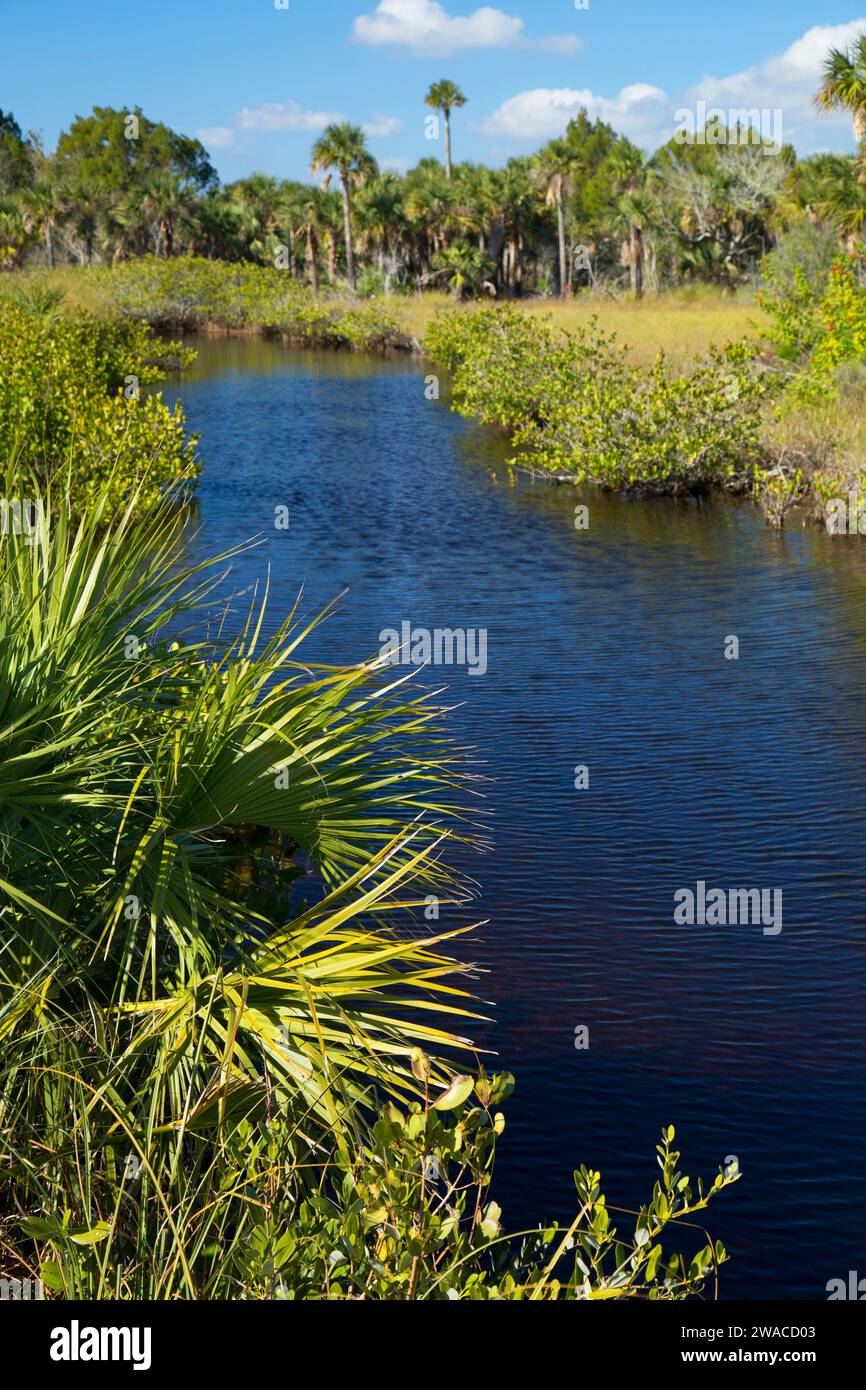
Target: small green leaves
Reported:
point(576, 406)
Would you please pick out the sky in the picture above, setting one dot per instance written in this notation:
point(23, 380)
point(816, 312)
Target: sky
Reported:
point(256, 80)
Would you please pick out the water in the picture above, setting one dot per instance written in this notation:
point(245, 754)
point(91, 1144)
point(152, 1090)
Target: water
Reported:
point(605, 648)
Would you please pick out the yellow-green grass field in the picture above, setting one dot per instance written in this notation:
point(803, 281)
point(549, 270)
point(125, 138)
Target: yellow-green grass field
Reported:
point(683, 323)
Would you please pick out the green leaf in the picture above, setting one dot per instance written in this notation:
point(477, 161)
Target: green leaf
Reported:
point(93, 1235)
point(52, 1276)
point(459, 1091)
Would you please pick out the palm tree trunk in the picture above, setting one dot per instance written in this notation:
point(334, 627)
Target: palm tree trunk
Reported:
point(563, 264)
point(636, 260)
point(447, 115)
point(311, 261)
point(332, 257)
point(49, 245)
point(347, 233)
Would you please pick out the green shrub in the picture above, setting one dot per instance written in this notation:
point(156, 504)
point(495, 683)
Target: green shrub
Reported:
point(409, 1214)
point(403, 1211)
point(816, 324)
point(810, 248)
point(576, 407)
point(192, 293)
point(72, 404)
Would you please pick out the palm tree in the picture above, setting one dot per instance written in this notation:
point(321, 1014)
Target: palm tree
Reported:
point(629, 170)
point(311, 224)
point(159, 758)
point(843, 205)
point(147, 987)
point(128, 221)
point(475, 207)
point(430, 208)
point(343, 147)
point(517, 202)
point(464, 267)
point(85, 203)
point(381, 218)
point(41, 212)
point(169, 204)
point(553, 169)
point(844, 88)
point(257, 203)
point(216, 226)
point(444, 96)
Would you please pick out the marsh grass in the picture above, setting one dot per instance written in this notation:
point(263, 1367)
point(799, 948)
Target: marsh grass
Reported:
point(684, 323)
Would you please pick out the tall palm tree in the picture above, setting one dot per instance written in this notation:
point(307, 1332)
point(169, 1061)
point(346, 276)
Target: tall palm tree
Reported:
point(553, 170)
point(844, 88)
point(343, 147)
point(444, 96)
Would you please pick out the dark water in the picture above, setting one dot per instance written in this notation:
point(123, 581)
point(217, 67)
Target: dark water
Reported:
point(605, 648)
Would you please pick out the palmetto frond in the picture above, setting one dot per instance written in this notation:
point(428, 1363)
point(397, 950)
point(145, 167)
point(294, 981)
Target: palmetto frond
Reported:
point(133, 758)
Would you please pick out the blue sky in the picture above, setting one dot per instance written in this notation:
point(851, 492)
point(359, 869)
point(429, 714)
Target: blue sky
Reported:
point(257, 82)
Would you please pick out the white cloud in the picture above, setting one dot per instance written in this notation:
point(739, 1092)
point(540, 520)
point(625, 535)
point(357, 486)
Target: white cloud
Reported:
point(216, 137)
point(426, 27)
point(786, 83)
point(284, 115)
point(638, 111)
point(382, 125)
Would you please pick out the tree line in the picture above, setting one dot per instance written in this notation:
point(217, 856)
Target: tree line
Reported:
point(588, 208)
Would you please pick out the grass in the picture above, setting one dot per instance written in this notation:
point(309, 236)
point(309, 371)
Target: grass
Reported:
point(682, 322)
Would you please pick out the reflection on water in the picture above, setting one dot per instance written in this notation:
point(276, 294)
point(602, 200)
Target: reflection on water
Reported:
point(605, 648)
